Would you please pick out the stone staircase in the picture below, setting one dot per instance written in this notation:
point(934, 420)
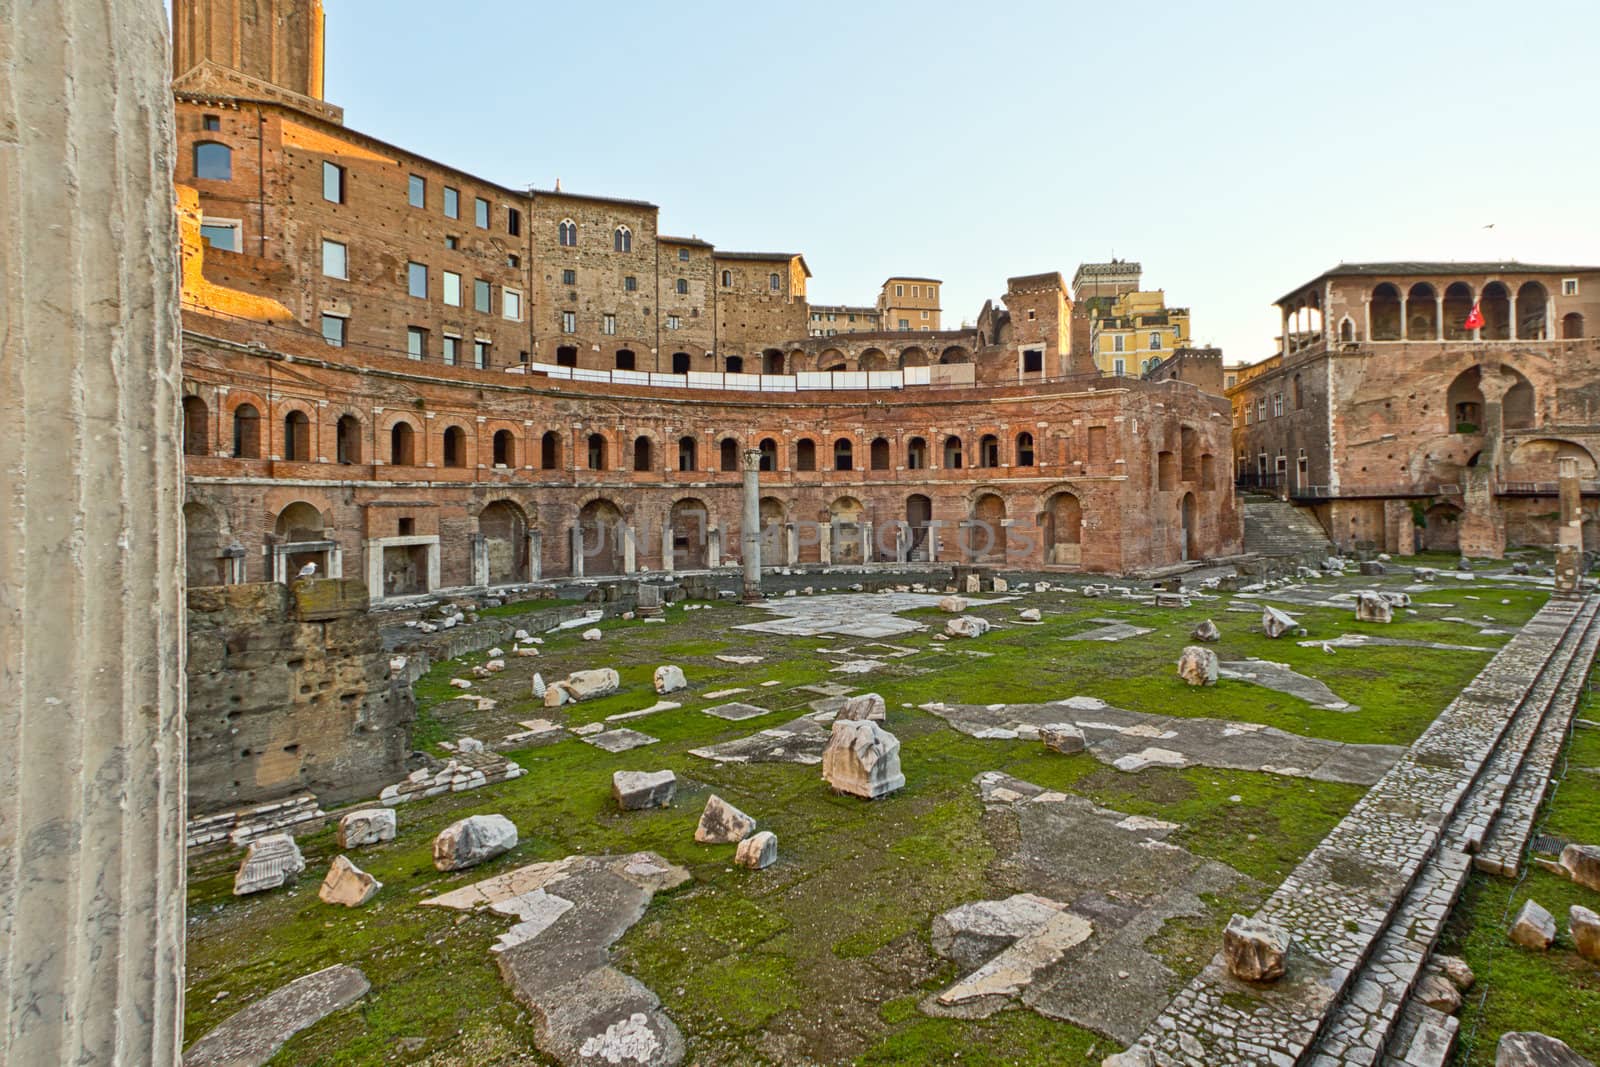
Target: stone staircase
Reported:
point(1366, 907)
point(1277, 528)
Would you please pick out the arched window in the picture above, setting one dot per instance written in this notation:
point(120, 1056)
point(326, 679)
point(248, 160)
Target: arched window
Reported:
point(213, 161)
point(1571, 326)
point(774, 282)
point(550, 451)
point(505, 448)
point(728, 454)
point(195, 426)
point(989, 451)
point(626, 360)
point(843, 454)
point(805, 454)
point(641, 453)
point(952, 453)
point(1024, 449)
point(597, 452)
point(246, 432)
point(917, 454)
point(347, 439)
point(1384, 311)
point(297, 437)
point(686, 454)
point(1155, 342)
point(455, 447)
point(769, 454)
point(567, 233)
point(402, 451)
point(880, 454)
point(622, 240)
point(566, 356)
point(680, 363)
point(727, 279)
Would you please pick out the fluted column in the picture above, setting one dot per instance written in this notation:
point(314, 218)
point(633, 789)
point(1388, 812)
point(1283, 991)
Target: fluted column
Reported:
point(750, 525)
point(91, 548)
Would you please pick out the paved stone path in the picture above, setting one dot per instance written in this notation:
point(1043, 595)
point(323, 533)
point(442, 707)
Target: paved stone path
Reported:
point(1281, 678)
point(253, 1035)
point(866, 615)
point(1364, 905)
point(1134, 740)
point(557, 957)
point(797, 741)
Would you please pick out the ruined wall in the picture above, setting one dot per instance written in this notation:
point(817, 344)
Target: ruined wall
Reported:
point(290, 692)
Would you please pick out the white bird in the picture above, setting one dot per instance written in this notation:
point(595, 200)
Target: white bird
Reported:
point(307, 571)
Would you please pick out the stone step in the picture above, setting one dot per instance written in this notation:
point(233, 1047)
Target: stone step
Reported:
point(1278, 528)
point(1344, 897)
point(1507, 841)
point(1426, 1038)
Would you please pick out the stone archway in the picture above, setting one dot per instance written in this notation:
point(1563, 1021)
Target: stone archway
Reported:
point(986, 529)
point(919, 518)
point(1188, 528)
point(1063, 530)
point(1441, 530)
point(691, 534)
point(845, 516)
point(600, 527)
point(504, 529)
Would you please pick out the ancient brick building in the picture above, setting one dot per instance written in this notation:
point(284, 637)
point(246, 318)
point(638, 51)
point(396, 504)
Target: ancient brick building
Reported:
point(1404, 427)
point(407, 374)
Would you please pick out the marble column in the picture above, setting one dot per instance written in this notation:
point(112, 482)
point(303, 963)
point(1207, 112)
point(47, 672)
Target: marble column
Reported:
point(575, 541)
point(750, 525)
point(91, 571)
point(535, 555)
point(1569, 538)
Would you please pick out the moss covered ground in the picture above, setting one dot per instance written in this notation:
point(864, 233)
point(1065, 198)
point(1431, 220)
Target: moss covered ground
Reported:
point(822, 958)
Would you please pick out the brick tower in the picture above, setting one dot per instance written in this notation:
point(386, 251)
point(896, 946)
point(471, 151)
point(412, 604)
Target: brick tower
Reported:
point(274, 41)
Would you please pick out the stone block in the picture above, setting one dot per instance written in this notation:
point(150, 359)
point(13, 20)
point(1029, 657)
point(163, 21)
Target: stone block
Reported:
point(637, 790)
point(1582, 864)
point(270, 862)
point(967, 626)
point(758, 851)
point(722, 824)
point(347, 884)
point(953, 605)
point(864, 706)
point(323, 599)
point(366, 826)
point(473, 840)
point(1255, 950)
point(1533, 927)
point(1584, 927)
point(1275, 623)
point(669, 679)
point(1526, 1049)
point(1062, 737)
point(1373, 607)
point(862, 759)
point(1198, 666)
point(1206, 632)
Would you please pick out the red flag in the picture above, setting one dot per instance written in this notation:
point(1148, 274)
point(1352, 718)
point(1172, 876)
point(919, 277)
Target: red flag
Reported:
point(1475, 319)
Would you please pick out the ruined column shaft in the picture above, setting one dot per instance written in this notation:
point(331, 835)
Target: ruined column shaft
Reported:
point(750, 525)
point(91, 552)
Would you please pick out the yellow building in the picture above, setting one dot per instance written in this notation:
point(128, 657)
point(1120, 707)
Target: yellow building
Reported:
point(1136, 332)
point(909, 304)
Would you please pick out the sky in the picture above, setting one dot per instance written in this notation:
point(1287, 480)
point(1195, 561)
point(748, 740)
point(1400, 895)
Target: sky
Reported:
point(1235, 149)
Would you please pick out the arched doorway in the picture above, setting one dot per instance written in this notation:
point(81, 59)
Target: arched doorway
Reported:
point(769, 454)
point(919, 517)
point(402, 447)
point(505, 538)
point(1063, 530)
point(505, 448)
point(300, 537)
point(691, 534)
point(844, 527)
point(600, 526)
point(196, 426)
point(297, 437)
point(986, 530)
point(246, 432)
point(1188, 528)
point(347, 439)
point(1441, 528)
point(772, 532)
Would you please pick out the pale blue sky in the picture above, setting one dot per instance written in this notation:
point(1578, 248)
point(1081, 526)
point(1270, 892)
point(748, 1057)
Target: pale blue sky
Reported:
point(1235, 149)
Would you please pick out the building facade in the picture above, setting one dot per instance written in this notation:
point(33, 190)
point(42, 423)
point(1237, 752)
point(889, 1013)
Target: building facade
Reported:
point(1405, 426)
point(400, 371)
point(1129, 330)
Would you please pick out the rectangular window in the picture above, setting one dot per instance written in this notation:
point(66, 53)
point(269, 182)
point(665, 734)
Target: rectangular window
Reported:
point(481, 301)
point(333, 330)
point(480, 212)
point(608, 324)
point(332, 182)
point(1032, 361)
point(924, 314)
point(683, 255)
point(213, 123)
point(416, 342)
point(223, 235)
point(905, 324)
point(1569, 287)
point(1261, 410)
point(513, 222)
point(452, 242)
point(1277, 405)
point(683, 286)
point(1119, 367)
point(335, 262)
point(674, 323)
point(569, 277)
point(630, 284)
point(916, 291)
point(569, 322)
point(899, 290)
point(511, 304)
point(1117, 343)
point(452, 349)
point(480, 354)
point(513, 261)
point(452, 203)
point(452, 288)
point(417, 191)
point(417, 280)
point(774, 283)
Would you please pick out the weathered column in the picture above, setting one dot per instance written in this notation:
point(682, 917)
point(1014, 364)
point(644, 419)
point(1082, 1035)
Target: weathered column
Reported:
point(714, 548)
point(575, 540)
point(480, 560)
point(868, 555)
point(750, 525)
point(1569, 538)
point(791, 544)
point(535, 555)
point(91, 539)
point(630, 550)
point(666, 545)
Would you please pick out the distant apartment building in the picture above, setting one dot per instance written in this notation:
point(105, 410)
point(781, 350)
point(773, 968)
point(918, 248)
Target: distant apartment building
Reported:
point(909, 304)
point(1126, 329)
point(830, 320)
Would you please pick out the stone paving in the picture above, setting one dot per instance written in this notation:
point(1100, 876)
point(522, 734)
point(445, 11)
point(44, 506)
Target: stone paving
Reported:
point(1382, 860)
point(797, 741)
point(1281, 678)
point(1133, 740)
point(865, 615)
